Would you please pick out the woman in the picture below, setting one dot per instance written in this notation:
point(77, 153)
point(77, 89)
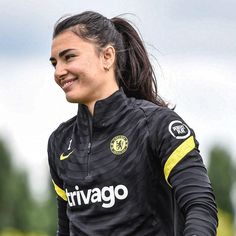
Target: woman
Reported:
point(126, 164)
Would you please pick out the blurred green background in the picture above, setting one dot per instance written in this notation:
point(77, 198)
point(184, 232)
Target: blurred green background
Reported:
point(22, 215)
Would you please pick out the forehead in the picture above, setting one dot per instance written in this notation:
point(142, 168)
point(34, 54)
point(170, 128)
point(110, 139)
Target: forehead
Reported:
point(67, 40)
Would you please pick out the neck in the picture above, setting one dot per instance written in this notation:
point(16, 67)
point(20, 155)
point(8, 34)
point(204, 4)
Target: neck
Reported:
point(107, 89)
point(108, 93)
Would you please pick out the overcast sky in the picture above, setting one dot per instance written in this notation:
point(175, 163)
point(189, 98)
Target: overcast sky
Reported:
point(194, 43)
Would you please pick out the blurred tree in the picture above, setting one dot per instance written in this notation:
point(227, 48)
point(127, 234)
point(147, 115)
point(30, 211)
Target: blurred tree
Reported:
point(44, 218)
point(18, 209)
point(225, 227)
point(15, 198)
point(5, 170)
point(221, 172)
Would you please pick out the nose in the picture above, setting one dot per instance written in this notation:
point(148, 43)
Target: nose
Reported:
point(60, 72)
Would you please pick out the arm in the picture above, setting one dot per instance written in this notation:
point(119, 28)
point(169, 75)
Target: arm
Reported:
point(175, 144)
point(63, 222)
point(194, 196)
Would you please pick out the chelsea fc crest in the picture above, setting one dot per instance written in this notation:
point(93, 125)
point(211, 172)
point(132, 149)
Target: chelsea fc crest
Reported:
point(119, 144)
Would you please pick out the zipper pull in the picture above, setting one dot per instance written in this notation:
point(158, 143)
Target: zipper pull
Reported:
point(89, 147)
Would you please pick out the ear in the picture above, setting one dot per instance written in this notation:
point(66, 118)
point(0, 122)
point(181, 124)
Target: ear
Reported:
point(108, 57)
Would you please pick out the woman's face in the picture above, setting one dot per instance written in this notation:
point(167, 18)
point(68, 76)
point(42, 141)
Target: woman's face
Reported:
point(79, 68)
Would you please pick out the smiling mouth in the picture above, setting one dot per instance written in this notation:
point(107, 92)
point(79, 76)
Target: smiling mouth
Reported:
point(66, 84)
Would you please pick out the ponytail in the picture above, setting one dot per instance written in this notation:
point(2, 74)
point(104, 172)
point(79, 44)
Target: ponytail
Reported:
point(137, 77)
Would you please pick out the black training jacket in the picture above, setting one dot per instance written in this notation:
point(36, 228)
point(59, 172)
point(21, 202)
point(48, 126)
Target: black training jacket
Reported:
point(133, 168)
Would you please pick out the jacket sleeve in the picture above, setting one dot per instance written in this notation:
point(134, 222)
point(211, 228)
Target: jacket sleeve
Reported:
point(175, 144)
point(63, 222)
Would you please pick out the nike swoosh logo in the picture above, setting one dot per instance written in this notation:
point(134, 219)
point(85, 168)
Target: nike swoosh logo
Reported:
point(62, 157)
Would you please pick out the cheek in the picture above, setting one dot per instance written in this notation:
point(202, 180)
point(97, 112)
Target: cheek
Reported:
point(86, 68)
point(55, 79)
point(93, 62)
point(95, 69)
point(74, 67)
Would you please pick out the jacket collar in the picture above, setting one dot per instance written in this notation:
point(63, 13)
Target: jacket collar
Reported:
point(106, 111)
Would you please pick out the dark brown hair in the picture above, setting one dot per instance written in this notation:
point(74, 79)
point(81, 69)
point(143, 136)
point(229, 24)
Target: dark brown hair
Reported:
point(133, 70)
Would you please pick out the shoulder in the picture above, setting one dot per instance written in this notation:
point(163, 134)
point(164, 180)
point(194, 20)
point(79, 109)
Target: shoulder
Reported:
point(62, 129)
point(164, 121)
point(155, 113)
point(145, 106)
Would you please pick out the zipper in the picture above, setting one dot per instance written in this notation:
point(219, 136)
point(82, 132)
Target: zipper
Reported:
point(90, 126)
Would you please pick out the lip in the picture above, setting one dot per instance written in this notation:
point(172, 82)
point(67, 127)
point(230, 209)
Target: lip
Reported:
point(65, 84)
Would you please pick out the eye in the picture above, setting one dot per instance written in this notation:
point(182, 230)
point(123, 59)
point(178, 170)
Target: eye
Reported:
point(69, 56)
point(54, 64)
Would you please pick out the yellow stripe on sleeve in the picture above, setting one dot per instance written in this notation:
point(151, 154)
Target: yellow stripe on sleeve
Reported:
point(60, 192)
point(177, 155)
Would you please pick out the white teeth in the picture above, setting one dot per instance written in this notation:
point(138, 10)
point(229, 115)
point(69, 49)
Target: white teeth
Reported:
point(67, 84)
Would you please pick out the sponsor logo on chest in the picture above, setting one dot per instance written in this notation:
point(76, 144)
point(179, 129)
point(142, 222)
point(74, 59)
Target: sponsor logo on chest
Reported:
point(106, 195)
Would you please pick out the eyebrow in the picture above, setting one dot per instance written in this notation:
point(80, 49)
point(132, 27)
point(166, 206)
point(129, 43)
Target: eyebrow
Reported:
point(61, 54)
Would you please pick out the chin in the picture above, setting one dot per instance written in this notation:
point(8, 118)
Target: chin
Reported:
point(72, 99)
